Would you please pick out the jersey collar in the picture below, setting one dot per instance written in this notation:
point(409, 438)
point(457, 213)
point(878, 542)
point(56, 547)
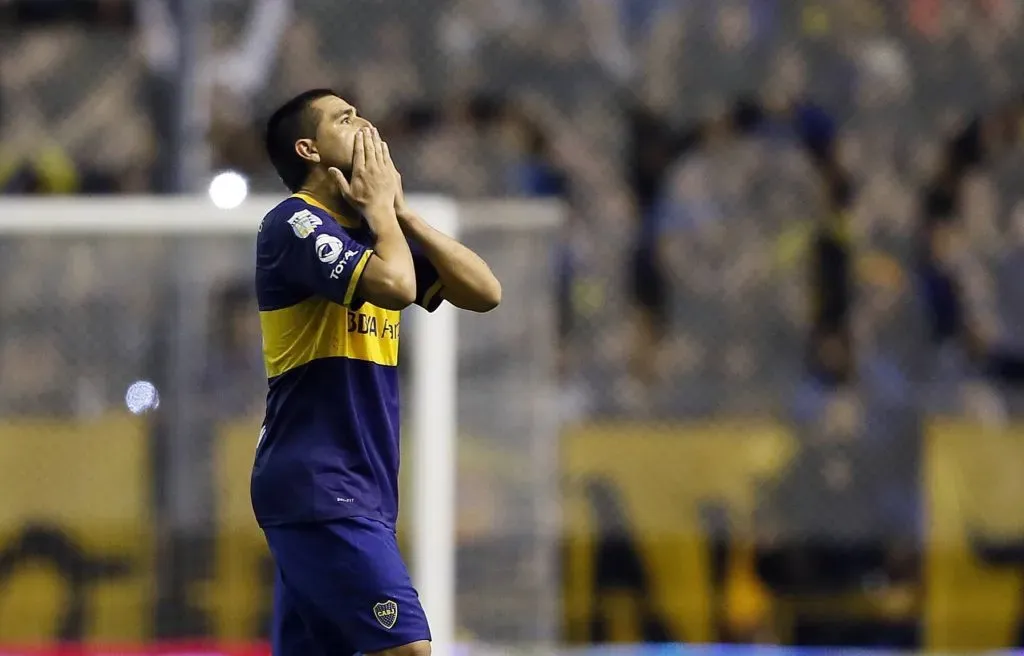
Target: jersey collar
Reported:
point(309, 200)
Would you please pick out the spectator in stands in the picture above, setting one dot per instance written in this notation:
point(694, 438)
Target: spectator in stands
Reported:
point(533, 171)
point(239, 71)
point(842, 523)
point(654, 146)
point(95, 146)
point(52, 171)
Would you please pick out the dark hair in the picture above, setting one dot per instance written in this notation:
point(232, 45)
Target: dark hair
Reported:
point(292, 121)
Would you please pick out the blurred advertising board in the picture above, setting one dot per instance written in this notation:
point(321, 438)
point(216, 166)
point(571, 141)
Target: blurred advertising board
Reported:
point(76, 533)
point(661, 533)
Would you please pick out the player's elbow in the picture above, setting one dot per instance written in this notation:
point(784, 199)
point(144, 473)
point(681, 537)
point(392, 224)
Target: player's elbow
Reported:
point(478, 298)
point(387, 286)
point(396, 292)
point(489, 296)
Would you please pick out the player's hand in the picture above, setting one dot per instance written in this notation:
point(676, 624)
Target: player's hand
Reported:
point(373, 186)
point(401, 209)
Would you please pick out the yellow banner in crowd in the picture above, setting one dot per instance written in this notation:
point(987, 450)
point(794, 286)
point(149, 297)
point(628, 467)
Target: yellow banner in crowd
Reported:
point(75, 531)
point(974, 480)
point(650, 488)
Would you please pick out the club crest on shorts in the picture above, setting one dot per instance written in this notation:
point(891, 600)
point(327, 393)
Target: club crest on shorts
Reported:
point(386, 613)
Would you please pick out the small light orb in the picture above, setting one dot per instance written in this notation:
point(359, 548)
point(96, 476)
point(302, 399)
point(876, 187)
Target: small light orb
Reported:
point(228, 190)
point(142, 397)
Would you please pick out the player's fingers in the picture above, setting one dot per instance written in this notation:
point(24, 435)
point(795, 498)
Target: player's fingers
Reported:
point(378, 149)
point(364, 156)
point(340, 180)
point(369, 154)
point(388, 162)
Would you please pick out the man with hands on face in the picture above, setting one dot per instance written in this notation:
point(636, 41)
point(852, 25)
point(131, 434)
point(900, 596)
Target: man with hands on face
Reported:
point(336, 262)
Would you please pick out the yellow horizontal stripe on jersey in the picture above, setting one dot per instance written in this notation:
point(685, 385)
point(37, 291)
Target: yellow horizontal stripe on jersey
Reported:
point(317, 328)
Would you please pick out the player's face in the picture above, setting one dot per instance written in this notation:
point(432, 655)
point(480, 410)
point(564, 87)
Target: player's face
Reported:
point(336, 131)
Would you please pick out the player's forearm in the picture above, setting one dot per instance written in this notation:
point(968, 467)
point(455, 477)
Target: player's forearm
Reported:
point(468, 281)
point(392, 249)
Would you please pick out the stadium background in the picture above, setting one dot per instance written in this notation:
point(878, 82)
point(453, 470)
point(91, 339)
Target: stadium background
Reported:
point(712, 485)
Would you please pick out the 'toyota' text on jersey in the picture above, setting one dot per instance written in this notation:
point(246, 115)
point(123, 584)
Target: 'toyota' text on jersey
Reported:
point(329, 446)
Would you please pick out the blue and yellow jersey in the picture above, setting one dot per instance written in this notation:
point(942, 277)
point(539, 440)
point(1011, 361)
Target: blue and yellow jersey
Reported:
point(328, 447)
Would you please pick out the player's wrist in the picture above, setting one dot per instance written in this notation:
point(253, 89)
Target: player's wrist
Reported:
point(412, 224)
point(380, 212)
point(403, 212)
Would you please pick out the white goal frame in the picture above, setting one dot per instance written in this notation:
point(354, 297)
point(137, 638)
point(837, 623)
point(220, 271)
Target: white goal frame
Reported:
point(432, 419)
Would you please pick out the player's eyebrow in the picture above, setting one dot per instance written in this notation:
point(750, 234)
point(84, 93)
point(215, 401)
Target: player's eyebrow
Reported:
point(348, 111)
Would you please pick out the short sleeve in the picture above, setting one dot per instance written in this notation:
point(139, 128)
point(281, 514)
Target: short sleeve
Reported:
point(320, 256)
point(428, 282)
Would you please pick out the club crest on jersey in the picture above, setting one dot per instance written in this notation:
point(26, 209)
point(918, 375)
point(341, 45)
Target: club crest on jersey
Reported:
point(304, 223)
point(386, 613)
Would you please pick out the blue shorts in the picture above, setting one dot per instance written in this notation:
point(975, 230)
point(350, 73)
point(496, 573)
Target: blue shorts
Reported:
point(342, 588)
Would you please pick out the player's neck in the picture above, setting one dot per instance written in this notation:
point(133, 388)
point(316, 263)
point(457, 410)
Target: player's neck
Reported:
point(328, 196)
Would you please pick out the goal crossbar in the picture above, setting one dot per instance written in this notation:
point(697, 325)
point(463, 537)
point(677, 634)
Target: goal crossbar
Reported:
point(191, 215)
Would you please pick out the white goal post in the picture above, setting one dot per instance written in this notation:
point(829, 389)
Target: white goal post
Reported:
point(432, 409)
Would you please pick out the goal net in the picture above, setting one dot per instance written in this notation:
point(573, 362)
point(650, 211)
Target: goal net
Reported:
point(125, 529)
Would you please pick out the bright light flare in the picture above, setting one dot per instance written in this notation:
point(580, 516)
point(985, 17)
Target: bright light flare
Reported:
point(142, 397)
point(228, 190)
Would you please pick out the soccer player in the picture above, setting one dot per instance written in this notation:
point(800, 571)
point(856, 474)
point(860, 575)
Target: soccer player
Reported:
point(336, 263)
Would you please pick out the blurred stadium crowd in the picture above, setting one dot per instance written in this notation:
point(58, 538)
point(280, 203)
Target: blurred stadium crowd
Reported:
point(803, 208)
point(684, 282)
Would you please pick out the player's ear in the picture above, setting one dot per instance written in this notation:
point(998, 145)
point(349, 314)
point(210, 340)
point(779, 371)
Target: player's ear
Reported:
point(306, 149)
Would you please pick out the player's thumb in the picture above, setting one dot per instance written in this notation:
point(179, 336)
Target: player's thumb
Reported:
point(340, 180)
